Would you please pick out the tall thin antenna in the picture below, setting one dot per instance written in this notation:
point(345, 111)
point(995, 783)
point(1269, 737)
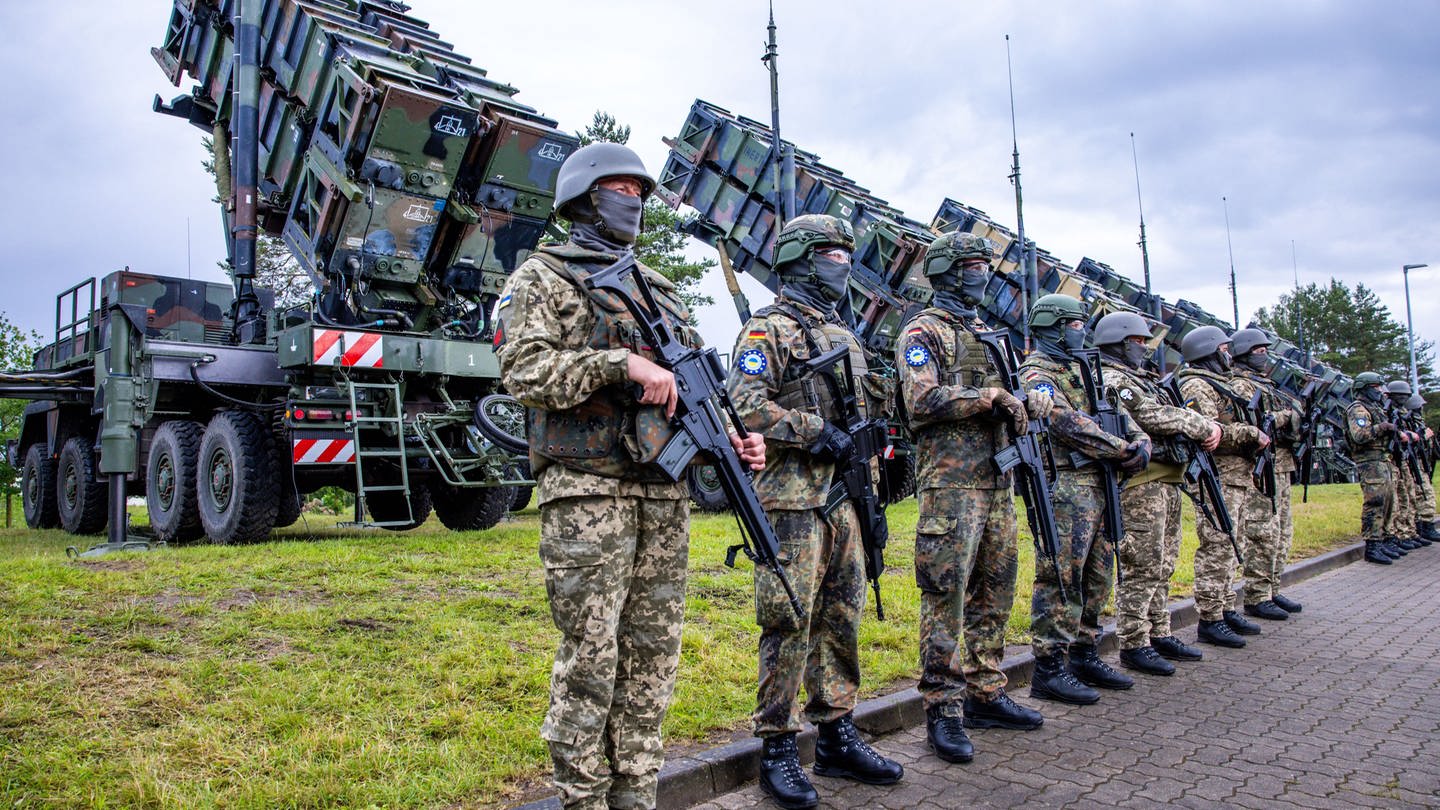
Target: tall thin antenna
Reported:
point(1234, 293)
point(1030, 287)
point(189, 273)
point(1295, 302)
point(1144, 250)
point(784, 160)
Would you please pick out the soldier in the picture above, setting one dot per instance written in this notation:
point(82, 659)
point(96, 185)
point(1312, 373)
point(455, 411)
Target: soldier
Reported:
point(1367, 431)
point(1425, 510)
point(613, 532)
point(1151, 500)
point(1404, 516)
point(1264, 563)
point(1087, 562)
point(965, 544)
point(1207, 383)
point(778, 396)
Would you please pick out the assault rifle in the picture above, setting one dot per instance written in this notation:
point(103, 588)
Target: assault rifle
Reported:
point(1401, 451)
point(1312, 414)
point(1263, 473)
point(1029, 455)
point(852, 474)
point(700, 428)
point(1201, 479)
point(1113, 422)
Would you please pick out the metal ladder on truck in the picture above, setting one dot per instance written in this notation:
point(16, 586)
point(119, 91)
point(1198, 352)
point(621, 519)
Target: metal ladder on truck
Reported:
point(390, 415)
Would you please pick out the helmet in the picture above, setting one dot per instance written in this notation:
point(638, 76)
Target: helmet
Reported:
point(1398, 387)
point(1055, 308)
point(809, 231)
point(953, 247)
point(591, 164)
point(1415, 402)
point(1246, 340)
point(1365, 378)
point(1117, 326)
point(1202, 342)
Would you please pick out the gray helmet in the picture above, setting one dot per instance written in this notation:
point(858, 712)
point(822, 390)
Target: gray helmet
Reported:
point(1054, 308)
point(1246, 340)
point(1202, 342)
point(1398, 387)
point(809, 231)
point(591, 164)
point(1415, 402)
point(947, 249)
point(1365, 378)
point(1117, 326)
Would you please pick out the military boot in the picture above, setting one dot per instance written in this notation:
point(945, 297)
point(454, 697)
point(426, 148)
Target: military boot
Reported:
point(1175, 650)
point(1086, 664)
point(1054, 681)
point(1000, 712)
point(1375, 554)
point(1240, 624)
point(1404, 543)
point(1421, 540)
point(1286, 603)
point(1267, 610)
point(1428, 530)
point(946, 736)
point(781, 775)
point(1393, 551)
point(1146, 660)
point(1219, 634)
point(840, 752)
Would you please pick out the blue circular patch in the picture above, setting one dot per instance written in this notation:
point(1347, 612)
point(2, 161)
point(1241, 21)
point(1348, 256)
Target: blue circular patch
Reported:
point(916, 356)
point(1046, 388)
point(1361, 421)
point(752, 362)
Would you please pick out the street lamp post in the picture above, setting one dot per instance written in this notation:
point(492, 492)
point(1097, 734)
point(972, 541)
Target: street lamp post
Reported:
point(1409, 327)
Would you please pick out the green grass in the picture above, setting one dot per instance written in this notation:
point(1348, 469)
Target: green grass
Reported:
point(328, 669)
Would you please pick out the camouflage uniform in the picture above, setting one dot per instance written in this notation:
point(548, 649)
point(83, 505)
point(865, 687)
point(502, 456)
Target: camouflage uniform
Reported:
point(821, 553)
point(1151, 504)
point(1369, 451)
point(1407, 493)
point(1249, 510)
point(613, 533)
point(1087, 557)
point(1265, 560)
point(965, 544)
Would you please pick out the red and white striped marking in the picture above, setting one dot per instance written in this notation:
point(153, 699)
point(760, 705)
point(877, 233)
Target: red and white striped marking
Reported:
point(323, 451)
point(352, 349)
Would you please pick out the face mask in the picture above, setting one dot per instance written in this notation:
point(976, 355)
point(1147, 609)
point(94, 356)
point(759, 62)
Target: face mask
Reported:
point(1072, 339)
point(618, 214)
point(1256, 363)
point(1135, 354)
point(1223, 357)
point(831, 277)
point(972, 285)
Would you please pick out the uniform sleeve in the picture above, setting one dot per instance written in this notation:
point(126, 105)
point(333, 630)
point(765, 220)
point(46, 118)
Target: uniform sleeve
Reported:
point(1073, 427)
point(1359, 427)
point(1153, 416)
point(1201, 398)
point(919, 357)
point(537, 366)
point(760, 357)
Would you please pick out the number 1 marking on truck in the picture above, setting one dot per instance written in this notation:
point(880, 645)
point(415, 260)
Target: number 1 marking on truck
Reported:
point(472, 360)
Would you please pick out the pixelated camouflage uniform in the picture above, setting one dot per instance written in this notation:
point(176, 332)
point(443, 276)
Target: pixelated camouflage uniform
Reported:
point(1087, 556)
point(1249, 510)
point(1264, 562)
point(1369, 451)
point(1404, 512)
point(966, 556)
point(613, 533)
point(821, 553)
point(1151, 504)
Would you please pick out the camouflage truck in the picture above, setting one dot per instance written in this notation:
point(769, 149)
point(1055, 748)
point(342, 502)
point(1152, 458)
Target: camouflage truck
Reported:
point(408, 185)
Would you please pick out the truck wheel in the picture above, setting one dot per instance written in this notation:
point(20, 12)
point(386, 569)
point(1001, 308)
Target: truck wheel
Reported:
point(465, 509)
point(239, 482)
point(79, 492)
point(522, 498)
point(288, 508)
point(705, 490)
point(170, 492)
point(37, 483)
point(386, 507)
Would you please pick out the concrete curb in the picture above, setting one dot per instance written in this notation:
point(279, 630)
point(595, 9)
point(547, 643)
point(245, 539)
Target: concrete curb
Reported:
point(691, 780)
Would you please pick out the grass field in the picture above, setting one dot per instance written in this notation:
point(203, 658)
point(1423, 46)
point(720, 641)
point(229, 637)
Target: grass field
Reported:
point(329, 669)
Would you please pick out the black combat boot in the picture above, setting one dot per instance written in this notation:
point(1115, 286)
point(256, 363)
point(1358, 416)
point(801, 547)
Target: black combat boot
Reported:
point(1421, 540)
point(1086, 664)
point(1176, 650)
point(1286, 603)
point(1240, 624)
point(1000, 712)
point(1404, 543)
point(839, 751)
point(1388, 546)
point(1428, 530)
point(781, 775)
point(946, 736)
point(1219, 634)
point(1375, 554)
point(1054, 681)
point(1267, 610)
point(1146, 660)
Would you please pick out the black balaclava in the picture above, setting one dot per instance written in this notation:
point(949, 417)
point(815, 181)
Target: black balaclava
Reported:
point(606, 221)
point(1128, 352)
point(1372, 393)
point(1219, 362)
point(816, 281)
point(1059, 341)
point(959, 290)
point(1260, 364)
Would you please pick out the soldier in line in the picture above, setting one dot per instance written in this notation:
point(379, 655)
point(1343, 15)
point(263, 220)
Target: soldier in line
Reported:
point(1264, 562)
point(1208, 384)
point(1151, 500)
point(1367, 431)
point(966, 543)
point(1425, 509)
point(1087, 562)
point(1404, 520)
point(613, 531)
point(778, 396)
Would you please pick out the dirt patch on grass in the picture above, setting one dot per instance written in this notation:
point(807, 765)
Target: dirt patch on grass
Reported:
point(372, 625)
point(109, 565)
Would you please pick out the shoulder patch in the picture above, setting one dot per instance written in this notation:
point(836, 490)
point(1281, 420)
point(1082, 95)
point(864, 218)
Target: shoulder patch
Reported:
point(752, 362)
point(755, 334)
point(1361, 421)
point(916, 355)
point(1190, 403)
point(1126, 394)
point(1045, 388)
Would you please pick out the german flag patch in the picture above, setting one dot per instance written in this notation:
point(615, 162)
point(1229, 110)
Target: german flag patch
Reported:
point(756, 334)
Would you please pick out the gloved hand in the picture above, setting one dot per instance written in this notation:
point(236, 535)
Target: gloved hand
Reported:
point(1137, 457)
point(1039, 404)
point(1385, 427)
point(1006, 406)
point(834, 444)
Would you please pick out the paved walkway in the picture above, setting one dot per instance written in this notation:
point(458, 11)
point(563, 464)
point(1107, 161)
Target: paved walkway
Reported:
point(1338, 707)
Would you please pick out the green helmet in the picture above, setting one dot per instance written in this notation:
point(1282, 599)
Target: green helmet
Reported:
point(1365, 378)
point(1049, 310)
point(1202, 342)
point(1246, 340)
point(1117, 326)
point(807, 232)
point(947, 249)
point(1398, 387)
point(591, 164)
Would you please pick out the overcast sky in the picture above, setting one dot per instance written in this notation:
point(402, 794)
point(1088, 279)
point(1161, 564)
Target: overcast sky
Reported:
point(1317, 120)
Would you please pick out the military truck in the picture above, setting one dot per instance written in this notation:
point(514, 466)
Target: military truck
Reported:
point(408, 185)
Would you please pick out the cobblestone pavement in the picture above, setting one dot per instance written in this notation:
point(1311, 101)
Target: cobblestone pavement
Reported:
point(1336, 707)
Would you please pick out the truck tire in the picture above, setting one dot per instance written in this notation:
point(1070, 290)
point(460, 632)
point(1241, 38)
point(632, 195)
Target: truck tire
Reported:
point(466, 509)
point(705, 490)
point(37, 485)
point(79, 492)
point(288, 508)
point(390, 506)
point(170, 491)
point(522, 498)
point(239, 481)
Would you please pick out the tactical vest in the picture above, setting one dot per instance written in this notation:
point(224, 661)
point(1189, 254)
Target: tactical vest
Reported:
point(800, 387)
point(1164, 448)
point(610, 434)
point(1378, 448)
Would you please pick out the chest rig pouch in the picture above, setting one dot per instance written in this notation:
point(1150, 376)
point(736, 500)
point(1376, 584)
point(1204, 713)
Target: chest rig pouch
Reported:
point(801, 387)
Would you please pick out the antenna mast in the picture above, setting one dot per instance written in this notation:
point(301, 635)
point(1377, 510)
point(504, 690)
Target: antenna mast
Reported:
point(1234, 293)
point(1144, 250)
point(1030, 285)
point(783, 157)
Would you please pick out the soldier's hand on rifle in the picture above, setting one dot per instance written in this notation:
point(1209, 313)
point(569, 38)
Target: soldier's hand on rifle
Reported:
point(1264, 440)
point(1429, 433)
point(1385, 427)
point(1137, 457)
point(1039, 404)
point(750, 449)
point(1007, 406)
point(834, 444)
point(658, 384)
point(1213, 440)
